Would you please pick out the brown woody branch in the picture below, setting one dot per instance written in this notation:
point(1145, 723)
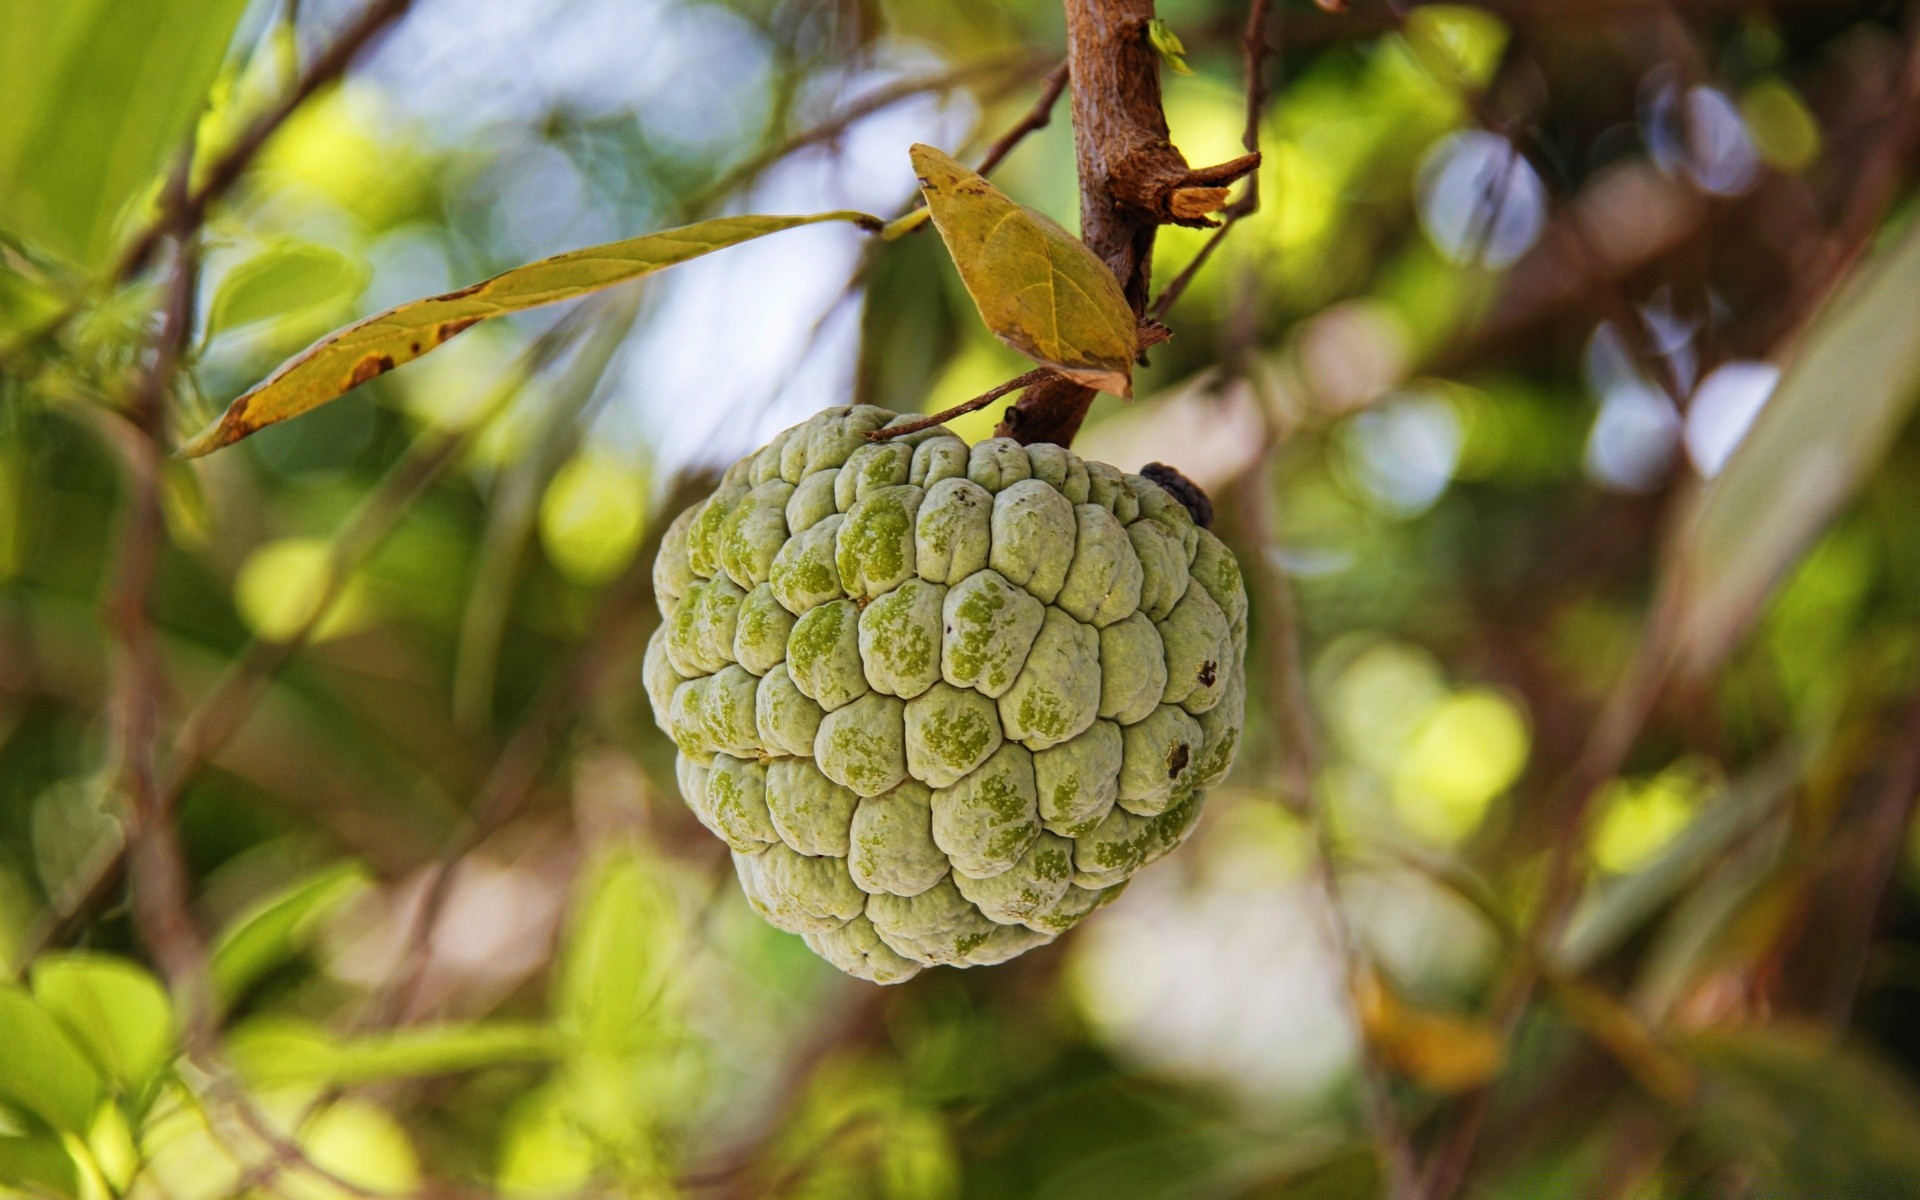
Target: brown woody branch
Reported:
point(1132, 181)
point(1254, 48)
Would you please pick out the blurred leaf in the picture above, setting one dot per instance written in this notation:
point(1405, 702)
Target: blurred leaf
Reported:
point(1625, 1036)
point(1846, 392)
point(111, 1143)
point(1619, 906)
point(287, 277)
point(117, 1012)
point(279, 928)
point(184, 503)
point(36, 1165)
point(542, 1152)
point(100, 94)
point(276, 1050)
point(1809, 1117)
point(353, 1140)
point(41, 1070)
point(1038, 288)
point(623, 941)
point(349, 357)
point(917, 1160)
point(1440, 1051)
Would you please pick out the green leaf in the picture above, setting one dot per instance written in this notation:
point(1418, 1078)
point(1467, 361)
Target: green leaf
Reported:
point(1038, 288)
point(1845, 394)
point(100, 96)
point(36, 1166)
point(279, 928)
point(273, 1051)
point(619, 950)
point(349, 357)
point(41, 1070)
point(1618, 908)
point(1172, 51)
point(288, 277)
point(117, 1012)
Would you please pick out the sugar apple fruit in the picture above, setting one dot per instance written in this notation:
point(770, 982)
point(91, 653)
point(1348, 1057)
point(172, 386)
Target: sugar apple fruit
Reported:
point(942, 701)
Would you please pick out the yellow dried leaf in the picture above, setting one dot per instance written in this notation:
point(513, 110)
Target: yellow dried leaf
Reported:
point(1038, 288)
point(1443, 1052)
point(349, 357)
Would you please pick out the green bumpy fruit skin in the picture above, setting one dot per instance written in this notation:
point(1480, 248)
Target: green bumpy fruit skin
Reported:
point(941, 702)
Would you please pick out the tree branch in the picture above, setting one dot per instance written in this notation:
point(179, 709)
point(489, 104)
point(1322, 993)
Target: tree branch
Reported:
point(1255, 50)
point(1132, 181)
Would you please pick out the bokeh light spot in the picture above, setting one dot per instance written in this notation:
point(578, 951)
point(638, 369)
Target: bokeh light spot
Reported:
point(592, 516)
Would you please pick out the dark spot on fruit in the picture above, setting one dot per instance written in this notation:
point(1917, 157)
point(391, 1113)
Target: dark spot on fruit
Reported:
point(466, 291)
point(414, 346)
point(1208, 673)
point(1177, 760)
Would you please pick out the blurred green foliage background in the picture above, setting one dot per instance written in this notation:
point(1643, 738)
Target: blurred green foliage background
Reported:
point(1595, 715)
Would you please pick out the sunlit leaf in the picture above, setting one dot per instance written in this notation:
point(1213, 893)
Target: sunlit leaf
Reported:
point(273, 1051)
point(36, 1166)
point(1038, 288)
point(542, 1151)
point(619, 950)
point(349, 357)
point(115, 1010)
point(288, 277)
point(111, 1144)
point(1846, 391)
point(41, 1070)
point(1618, 907)
point(90, 118)
point(280, 927)
point(1171, 50)
point(356, 1142)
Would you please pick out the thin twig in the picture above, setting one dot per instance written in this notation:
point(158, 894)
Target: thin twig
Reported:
point(961, 409)
point(157, 866)
point(1300, 752)
point(1611, 738)
point(187, 208)
point(1038, 117)
point(1254, 49)
point(1132, 181)
point(223, 711)
point(190, 210)
point(878, 100)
